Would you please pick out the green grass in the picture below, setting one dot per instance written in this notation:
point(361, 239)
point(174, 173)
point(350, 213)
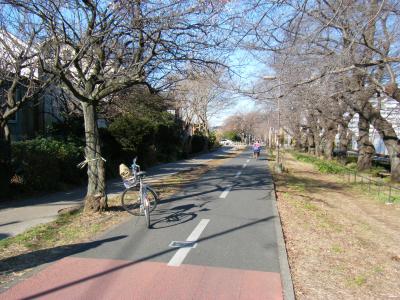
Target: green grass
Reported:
point(378, 269)
point(376, 170)
point(324, 166)
point(44, 234)
point(298, 186)
point(310, 206)
point(334, 167)
point(359, 280)
point(372, 190)
point(337, 249)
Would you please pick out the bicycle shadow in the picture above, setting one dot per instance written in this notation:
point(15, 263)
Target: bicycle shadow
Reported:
point(176, 215)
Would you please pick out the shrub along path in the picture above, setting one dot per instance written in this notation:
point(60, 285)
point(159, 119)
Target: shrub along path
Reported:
point(342, 243)
point(18, 216)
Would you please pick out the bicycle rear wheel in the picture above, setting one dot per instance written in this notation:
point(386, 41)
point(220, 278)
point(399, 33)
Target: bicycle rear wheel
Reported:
point(152, 197)
point(130, 200)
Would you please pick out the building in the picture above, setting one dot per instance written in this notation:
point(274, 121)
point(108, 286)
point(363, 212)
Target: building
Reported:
point(390, 110)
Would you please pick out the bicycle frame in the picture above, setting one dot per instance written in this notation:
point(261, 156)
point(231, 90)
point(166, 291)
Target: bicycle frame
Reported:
point(143, 193)
point(142, 186)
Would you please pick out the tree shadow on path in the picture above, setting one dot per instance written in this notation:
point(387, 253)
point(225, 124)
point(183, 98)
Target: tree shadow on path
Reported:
point(39, 257)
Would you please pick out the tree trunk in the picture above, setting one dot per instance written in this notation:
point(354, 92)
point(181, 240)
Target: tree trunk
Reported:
point(330, 135)
point(393, 148)
point(310, 142)
point(271, 138)
point(298, 140)
point(391, 142)
point(298, 145)
point(96, 197)
point(387, 133)
point(317, 143)
point(344, 140)
point(5, 161)
point(366, 149)
point(329, 147)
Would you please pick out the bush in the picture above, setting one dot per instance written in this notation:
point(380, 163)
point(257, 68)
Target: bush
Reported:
point(377, 170)
point(112, 151)
point(198, 143)
point(330, 167)
point(152, 138)
point(324, 166)
point(231, 135)
point(168, 141)
point(45, 163)
point(352, 166)
point(351, 159)
point(212, 141)
point(71, 128)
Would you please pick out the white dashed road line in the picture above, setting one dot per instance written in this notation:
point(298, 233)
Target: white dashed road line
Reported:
point(248, 160)
point(180, 255)
point(238, 174)
point(226, 192)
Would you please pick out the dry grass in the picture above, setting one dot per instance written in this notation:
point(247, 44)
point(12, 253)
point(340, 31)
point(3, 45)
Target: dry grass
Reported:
point(54, 240)
point(342, 243)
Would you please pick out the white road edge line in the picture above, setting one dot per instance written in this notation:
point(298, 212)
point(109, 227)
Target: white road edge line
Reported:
point(180, 255)
point(238, 174)
point(226, 192)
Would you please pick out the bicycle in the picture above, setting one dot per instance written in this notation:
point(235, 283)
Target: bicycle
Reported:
point(138, 198)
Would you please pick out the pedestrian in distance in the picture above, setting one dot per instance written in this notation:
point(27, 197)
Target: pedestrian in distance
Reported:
point(256, 149)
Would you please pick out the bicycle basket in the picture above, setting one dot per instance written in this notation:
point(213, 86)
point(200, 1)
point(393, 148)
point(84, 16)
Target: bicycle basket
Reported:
point(130, 182)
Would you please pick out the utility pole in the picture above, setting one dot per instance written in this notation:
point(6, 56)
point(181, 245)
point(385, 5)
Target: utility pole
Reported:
point(278, 156)
point(278, 165)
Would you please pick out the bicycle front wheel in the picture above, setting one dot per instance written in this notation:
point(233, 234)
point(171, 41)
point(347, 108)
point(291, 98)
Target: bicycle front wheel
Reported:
point(130, 200)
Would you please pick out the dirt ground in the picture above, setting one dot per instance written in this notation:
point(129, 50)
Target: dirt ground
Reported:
point(341, 243)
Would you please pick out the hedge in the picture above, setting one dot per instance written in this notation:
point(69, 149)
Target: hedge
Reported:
point(47, 164)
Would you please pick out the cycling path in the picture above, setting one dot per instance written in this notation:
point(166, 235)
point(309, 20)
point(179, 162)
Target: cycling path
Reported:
point(234, 247)
point(18, 216)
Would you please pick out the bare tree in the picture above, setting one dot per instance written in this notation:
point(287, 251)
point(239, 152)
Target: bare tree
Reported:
point(349, 47)
point(252, 125)
point(200, 96)
point(98, 48)
point(20, 79)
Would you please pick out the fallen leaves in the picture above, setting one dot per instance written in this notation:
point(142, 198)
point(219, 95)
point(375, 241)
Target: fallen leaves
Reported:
point(340, 242)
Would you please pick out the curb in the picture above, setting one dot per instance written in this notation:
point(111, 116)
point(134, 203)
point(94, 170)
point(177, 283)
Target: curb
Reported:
point(286, 277)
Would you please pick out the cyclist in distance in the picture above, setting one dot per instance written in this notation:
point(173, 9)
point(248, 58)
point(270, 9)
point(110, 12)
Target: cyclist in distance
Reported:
point(256, 149)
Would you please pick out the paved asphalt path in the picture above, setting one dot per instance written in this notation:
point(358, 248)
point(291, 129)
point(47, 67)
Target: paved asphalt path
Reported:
point(228, 219)
point(18, 216)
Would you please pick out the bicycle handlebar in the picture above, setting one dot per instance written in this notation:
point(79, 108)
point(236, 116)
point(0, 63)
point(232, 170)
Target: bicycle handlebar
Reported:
point(135, 167)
